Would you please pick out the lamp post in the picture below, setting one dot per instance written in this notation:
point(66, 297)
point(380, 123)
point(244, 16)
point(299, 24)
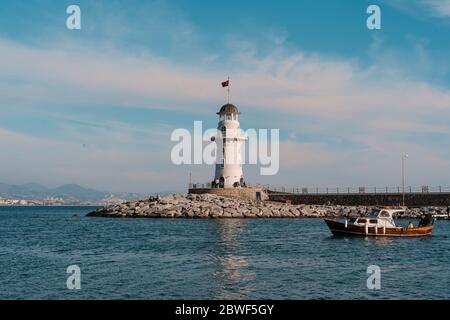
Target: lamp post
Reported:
point(404, 157)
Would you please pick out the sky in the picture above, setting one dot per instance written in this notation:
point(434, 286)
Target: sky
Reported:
point(97, 106)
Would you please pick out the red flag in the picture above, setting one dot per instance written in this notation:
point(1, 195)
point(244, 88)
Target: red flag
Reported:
point(225, 83)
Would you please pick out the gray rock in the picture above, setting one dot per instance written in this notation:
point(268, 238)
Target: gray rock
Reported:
point(226, 214)
point(230, 211)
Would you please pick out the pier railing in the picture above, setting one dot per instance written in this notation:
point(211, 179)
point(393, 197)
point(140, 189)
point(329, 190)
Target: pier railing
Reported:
point(341, 190)
point(357, 190)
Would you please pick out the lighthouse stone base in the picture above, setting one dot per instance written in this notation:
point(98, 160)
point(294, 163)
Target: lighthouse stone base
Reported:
point(250, 193)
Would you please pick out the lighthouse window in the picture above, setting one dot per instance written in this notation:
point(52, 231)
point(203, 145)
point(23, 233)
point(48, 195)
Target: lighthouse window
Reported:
point(228, 116)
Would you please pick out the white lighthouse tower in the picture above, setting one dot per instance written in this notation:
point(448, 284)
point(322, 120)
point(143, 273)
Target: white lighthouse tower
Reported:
point(229, 142)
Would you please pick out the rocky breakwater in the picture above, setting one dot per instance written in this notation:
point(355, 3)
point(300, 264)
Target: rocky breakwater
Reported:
point(205, 206)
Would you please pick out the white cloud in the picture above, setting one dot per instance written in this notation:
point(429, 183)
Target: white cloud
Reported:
point(422, 8)
point(440, 8)
point(296, 83)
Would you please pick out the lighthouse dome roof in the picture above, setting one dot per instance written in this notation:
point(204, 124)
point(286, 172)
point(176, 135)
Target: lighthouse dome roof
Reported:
point(228, 109)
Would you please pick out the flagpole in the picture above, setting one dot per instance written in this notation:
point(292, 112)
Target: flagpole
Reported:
point(229, 85)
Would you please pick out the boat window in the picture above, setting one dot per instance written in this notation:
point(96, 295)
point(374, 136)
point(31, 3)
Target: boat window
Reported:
point(373, 221)
point(362, 220)
point(384, 214)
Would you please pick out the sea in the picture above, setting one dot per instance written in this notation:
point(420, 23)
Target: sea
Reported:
point(210, 259)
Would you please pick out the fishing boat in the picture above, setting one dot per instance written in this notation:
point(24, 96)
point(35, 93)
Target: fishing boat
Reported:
point(383, 225)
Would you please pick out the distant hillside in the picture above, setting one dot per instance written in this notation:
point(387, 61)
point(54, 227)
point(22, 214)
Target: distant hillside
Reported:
point(34, 191)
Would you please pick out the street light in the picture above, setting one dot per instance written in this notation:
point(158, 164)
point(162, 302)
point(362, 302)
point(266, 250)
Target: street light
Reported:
point(405, 156)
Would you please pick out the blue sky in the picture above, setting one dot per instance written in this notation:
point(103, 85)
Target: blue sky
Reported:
point(96, 106)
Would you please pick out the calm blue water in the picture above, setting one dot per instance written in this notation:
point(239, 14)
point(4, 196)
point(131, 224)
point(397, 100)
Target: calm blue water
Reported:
point(209, 259)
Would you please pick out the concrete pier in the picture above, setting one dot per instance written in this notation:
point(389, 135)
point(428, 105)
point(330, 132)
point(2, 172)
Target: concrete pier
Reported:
point(419, 199)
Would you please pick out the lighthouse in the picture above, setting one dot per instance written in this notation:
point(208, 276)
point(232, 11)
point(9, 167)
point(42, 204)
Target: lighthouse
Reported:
point(228, 173)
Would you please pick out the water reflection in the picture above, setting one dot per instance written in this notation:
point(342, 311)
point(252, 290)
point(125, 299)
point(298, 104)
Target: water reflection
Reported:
point(377, 241)
point(232, 277)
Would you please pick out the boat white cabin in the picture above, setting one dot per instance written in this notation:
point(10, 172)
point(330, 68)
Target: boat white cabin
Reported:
point(383, 220)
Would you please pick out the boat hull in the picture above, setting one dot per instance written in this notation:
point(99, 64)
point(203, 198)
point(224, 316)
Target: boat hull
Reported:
point(339, 228)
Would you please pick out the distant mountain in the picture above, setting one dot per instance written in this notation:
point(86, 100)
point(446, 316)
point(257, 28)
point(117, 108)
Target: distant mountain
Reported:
point(25, 190)
point(77, 192)
point(33, 187)
point(34, 191)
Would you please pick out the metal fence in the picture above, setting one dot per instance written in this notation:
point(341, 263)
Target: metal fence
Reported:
point(358, 190)
point(208, 185)
point(205, 185)
point(340, 190)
